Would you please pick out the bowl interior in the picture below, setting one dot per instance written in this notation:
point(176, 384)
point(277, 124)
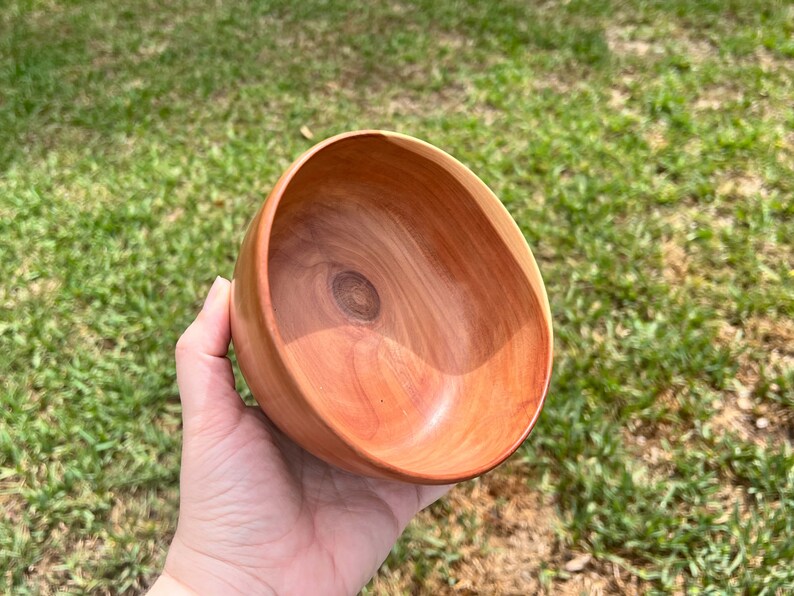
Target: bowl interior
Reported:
point(408, 323)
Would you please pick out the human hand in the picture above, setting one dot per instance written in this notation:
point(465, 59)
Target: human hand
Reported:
point(257, 513)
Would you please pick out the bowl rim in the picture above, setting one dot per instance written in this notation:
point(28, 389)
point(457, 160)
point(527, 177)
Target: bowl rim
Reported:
point(261, 253)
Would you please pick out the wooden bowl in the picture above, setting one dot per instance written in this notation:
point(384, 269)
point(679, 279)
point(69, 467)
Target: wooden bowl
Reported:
point(388, 315)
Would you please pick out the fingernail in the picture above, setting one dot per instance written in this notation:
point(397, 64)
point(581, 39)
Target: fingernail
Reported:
point(212, 295)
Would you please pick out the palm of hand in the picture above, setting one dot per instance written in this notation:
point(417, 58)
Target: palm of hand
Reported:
point(258, 513)
point(290, 521)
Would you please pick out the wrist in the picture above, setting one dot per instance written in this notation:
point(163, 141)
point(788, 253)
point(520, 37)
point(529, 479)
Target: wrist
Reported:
point(198, 572)
point(167, 584)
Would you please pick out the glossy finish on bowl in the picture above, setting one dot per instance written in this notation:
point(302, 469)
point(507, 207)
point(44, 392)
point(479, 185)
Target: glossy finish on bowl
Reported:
point(388, 314)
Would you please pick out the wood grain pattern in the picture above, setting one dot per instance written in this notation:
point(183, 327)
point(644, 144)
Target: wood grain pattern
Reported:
point(388, 314)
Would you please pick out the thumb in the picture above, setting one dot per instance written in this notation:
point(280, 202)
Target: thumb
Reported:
point(203, 372)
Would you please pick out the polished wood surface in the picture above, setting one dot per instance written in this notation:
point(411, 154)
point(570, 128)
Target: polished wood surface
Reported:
point(388, 314)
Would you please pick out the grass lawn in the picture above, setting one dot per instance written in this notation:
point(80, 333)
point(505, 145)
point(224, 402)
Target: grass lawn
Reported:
point(645, 148)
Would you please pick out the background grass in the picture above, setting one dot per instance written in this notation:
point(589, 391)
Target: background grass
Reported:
point(644, 147)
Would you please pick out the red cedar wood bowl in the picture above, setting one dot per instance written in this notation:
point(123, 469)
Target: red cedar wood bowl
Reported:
point(388, 315)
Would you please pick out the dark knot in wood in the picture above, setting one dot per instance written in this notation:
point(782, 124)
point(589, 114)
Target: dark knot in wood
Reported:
point(356, 296)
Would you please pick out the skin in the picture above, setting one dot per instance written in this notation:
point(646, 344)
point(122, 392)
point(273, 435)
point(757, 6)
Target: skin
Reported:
point(258, 515)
